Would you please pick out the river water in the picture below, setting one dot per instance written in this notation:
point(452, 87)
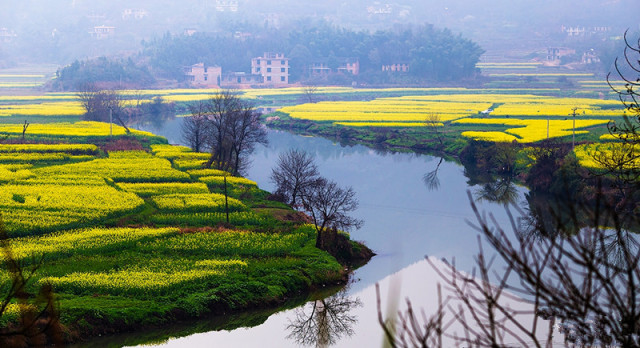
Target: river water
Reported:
point(405, 219)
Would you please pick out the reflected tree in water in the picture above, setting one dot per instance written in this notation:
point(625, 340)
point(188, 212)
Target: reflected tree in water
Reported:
point(501, 190)
point(431, 179)
point(322, 323)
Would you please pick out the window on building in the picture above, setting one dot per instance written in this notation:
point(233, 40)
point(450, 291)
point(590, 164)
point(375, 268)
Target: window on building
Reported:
point(268, 62)
point(239, 79)
point(258, 61)
point(282, 62)
point(205, 69)
point(268, 78)
point(282, 78)
point(282, 69)
point(206, 77)
point(268, 69)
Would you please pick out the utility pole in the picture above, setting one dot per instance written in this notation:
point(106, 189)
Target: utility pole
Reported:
point(573, 113)
point(110, 121)
point(226, 198)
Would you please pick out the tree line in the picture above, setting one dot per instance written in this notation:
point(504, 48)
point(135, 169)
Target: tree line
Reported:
point(432, 54)
point(108, 72)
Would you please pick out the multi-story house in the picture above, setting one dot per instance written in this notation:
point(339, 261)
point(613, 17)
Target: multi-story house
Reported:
point(137, 14)
point(227, 5)
point(102, 32)
point(396, 67)
point(202, 75)
point(273, 67)
point(347, 65)
point(554, 54)
point(240, 80)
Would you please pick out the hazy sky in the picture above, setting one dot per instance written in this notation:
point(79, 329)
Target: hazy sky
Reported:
point(53, 25)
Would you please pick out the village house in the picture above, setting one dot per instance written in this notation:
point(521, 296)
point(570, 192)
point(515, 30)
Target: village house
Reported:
point(590, 57)
point(227, 5)
point(347, 65)
point(397, 67)
point(102, 32)
point(378, 9)
point(555, 53)
point(202, 75)
point(240, 80)
point(584, 31)
point(136, 14)
point(189, 31)
point(273, 67)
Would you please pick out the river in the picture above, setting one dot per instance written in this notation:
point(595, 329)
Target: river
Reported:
point(404, 220)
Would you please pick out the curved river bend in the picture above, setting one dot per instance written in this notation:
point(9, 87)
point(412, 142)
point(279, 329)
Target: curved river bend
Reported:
point(405, 219)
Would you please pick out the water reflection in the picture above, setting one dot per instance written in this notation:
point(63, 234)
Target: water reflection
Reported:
point(431, 179)
point(405, 222)
point(324, 321)
point(152, 115)
point(499, 190)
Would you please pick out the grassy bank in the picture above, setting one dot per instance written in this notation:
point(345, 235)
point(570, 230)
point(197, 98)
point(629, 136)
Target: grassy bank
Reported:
point(132, 232)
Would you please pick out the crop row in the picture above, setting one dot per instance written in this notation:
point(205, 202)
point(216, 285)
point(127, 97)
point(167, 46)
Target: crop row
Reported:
point(218, 181)
point(30, 208)
point(36, 157)
point(210, 202)
point(78, 129)
point(141, 283)
point(231, 243)
point(528, 130)
point(122, 167)
point(60, 108)
point(387, 124)
point(84, 241)
point(165, 188)
point(74, 149)
point(242, 218)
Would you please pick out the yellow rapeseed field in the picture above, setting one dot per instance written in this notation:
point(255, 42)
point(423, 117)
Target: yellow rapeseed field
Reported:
point(77, 129)
point(527, 131)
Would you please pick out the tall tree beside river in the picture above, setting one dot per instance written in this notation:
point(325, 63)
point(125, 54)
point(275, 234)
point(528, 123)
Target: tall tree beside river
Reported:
point(231, 127)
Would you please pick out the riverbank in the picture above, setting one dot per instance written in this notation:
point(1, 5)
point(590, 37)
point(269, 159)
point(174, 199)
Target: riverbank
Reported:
point(134, 234)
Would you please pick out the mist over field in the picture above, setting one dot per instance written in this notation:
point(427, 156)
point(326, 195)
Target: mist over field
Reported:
point(60, 31)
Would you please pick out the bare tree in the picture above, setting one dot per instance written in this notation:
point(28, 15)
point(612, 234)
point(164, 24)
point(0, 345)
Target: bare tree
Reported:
point(433, 122)
point(234, 130)
point(194, 129)
point(24, 128)
point(621, 159)
point(329, 207)
point(310, 93)
point(101, 105)
point(245, 132)
point(295, 172)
